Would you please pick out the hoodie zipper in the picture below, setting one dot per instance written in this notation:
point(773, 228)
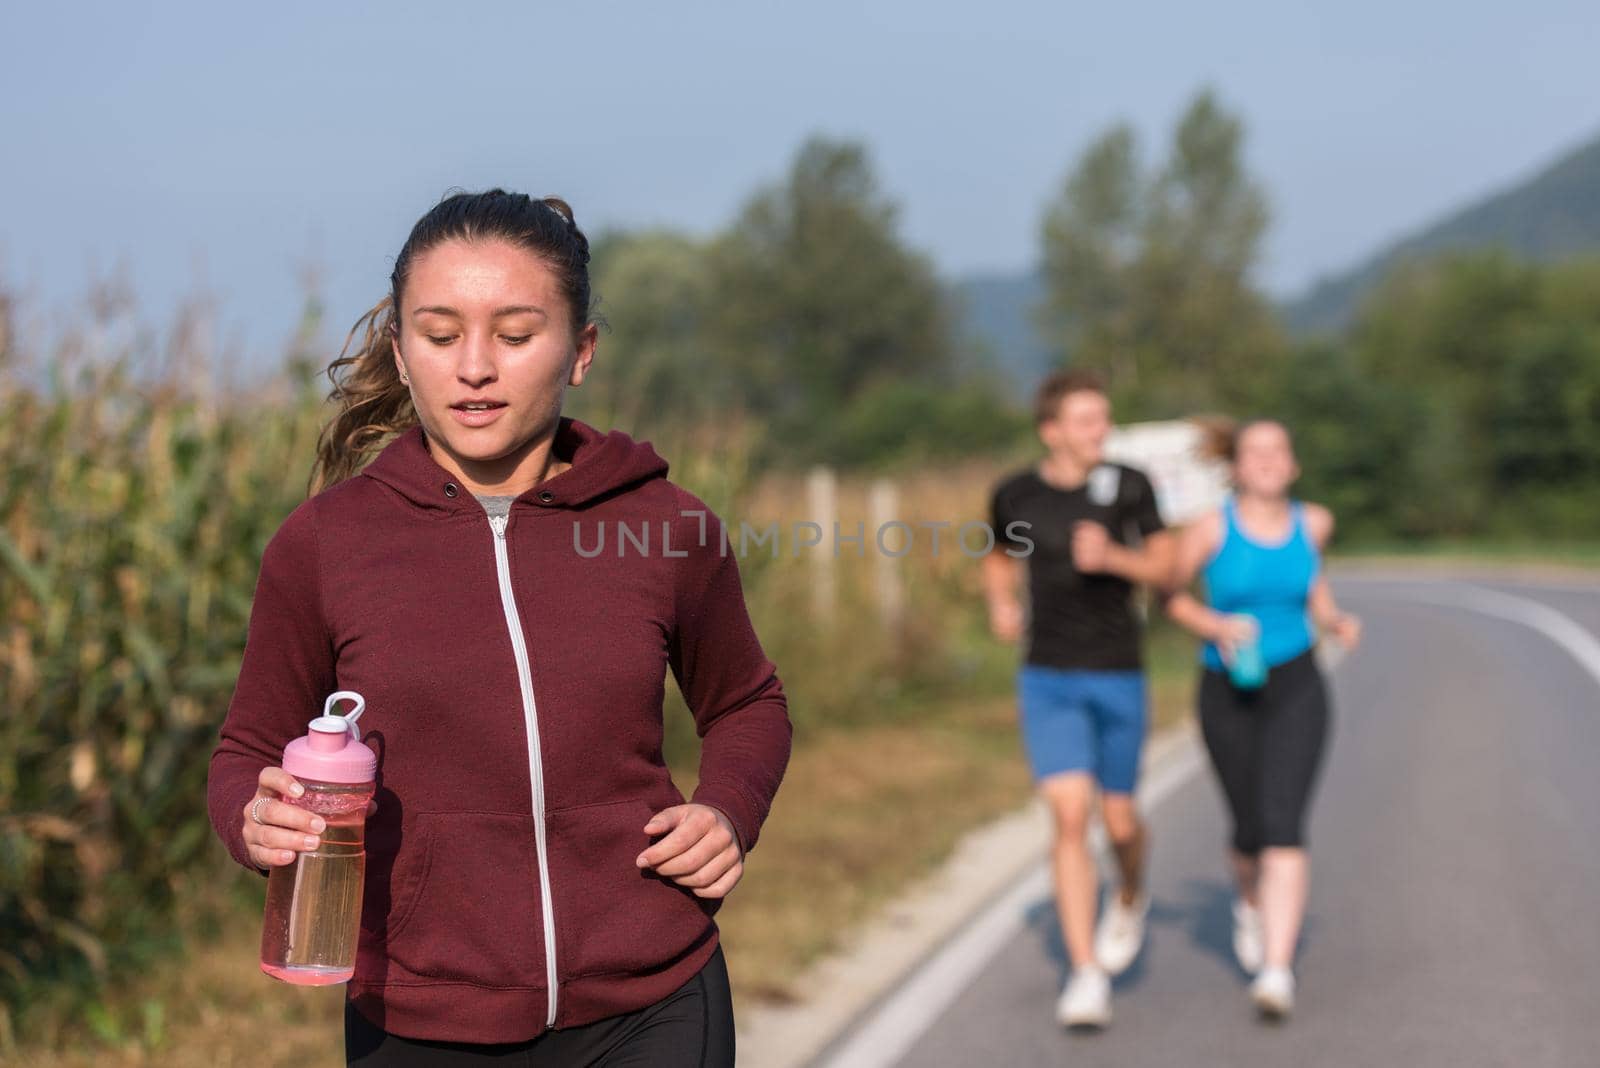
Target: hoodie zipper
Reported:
point(530, 715)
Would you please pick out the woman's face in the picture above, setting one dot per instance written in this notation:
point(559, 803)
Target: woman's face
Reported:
point(1264, 464)
point(485, 334)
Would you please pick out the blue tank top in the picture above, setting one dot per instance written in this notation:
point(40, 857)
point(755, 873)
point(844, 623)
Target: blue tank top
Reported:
point(1269, 582)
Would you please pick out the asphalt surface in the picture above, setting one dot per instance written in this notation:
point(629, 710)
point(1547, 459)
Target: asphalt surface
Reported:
point(1455, 903)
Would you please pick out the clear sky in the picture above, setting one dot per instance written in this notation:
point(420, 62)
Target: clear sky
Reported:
point(206, 143)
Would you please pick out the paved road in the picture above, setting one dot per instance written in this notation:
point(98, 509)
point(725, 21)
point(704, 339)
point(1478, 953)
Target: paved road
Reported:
point(1455, 913)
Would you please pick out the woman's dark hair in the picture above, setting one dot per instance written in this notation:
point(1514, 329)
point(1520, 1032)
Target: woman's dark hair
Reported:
point(372, 401)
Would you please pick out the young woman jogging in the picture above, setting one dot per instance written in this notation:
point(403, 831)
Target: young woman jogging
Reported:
point(1259, 557)
point(538, 892)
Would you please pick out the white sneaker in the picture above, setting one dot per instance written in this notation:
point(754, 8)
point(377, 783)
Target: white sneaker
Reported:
point(1121, 933)
point(1249, 947)
point(1273, 992)
point(1086, 999)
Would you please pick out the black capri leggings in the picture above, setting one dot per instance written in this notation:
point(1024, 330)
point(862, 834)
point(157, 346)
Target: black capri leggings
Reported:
point(689, 1028)
point(1266, 746)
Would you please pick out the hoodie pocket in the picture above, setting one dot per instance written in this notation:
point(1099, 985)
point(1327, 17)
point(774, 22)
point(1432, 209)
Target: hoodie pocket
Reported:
point(397, 863)
point(474, 913)
point(612, 917)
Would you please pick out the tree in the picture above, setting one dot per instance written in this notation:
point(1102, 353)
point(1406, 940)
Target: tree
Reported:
point(1091, 241)
point(652, 368)
point(817, 299)
point(1498, 364)
point(1148, 276)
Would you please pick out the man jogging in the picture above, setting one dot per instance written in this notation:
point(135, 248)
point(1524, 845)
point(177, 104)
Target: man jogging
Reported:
point(1088, 531)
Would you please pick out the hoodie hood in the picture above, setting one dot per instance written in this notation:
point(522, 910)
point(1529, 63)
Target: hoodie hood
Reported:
point(602, 464)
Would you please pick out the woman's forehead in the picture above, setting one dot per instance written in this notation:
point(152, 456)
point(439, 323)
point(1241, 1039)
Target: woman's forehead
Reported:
point(1264, 434)
point(486, 272)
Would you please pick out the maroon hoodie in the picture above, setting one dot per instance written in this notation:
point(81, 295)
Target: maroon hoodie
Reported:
point(514, 692)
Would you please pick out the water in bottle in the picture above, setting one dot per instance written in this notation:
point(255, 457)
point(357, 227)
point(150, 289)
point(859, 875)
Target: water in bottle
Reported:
point(313, 912)
point(1248, 668)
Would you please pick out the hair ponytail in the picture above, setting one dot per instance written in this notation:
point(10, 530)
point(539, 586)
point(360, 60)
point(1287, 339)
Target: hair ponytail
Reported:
point(1219, 437)
point(372, 401)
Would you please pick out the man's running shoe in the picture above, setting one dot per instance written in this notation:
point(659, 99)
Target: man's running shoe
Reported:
point(1121, 933)
point(1086, 1000)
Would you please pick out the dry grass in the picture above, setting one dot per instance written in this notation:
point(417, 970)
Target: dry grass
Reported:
point(862, 812)
point(220, 1012)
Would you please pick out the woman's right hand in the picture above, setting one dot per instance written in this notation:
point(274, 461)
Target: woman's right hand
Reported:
point(1231, 631)
point(284, 830)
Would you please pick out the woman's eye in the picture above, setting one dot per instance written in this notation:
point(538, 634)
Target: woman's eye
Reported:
point(516, 340)
point(441, 340)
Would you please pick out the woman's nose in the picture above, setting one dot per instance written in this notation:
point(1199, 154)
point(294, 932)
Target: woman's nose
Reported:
point(476, 363)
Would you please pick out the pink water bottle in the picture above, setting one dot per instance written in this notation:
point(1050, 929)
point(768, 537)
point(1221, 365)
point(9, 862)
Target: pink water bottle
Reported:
point(313, 914)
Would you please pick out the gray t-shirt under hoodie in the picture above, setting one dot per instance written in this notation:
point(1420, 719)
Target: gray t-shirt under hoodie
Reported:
point(495, 505)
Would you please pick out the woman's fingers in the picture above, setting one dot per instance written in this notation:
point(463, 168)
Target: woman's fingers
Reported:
point(271, 857)
point(287, 838)
point(712, 872)
point(686, 828)
point(275, 832)
point(697, 852)
point(282, 846)
point(277, 781)
point(273, 843)
point(723, 886)
point(697, 857)
point(278, 814)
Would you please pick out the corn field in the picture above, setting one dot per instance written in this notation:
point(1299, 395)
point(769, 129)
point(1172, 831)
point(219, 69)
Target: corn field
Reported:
point(132, 518)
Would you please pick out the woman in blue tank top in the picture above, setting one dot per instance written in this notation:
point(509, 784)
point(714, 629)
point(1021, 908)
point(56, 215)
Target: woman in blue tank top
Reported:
point(1263, 703)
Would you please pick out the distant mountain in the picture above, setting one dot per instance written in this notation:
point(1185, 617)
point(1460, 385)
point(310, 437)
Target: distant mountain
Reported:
point(995, 314)
point(1554, 214)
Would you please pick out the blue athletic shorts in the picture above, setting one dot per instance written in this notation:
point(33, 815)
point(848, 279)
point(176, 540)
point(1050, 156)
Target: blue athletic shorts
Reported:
point(1089, 721)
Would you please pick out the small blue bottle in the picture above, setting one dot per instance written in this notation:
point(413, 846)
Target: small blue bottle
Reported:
point(1248, 669)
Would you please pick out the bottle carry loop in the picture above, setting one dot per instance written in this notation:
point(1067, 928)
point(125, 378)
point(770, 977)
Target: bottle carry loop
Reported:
point(347, 721)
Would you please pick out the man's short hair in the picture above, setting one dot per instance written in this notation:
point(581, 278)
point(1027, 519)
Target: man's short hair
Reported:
point(1057, 386)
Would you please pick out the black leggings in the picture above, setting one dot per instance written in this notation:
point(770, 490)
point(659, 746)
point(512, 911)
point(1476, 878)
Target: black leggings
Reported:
point(690, 1028)
point(1266, 747)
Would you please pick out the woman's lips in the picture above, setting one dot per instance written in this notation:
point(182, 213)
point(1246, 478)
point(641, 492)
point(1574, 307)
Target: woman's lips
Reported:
point(477, 416)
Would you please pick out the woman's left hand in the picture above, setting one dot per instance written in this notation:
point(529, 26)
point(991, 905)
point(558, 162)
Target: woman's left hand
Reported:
point(1346, 630)
point(700, 850)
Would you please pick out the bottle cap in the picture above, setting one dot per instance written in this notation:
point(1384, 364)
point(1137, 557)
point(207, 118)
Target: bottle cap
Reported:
point(332, 751)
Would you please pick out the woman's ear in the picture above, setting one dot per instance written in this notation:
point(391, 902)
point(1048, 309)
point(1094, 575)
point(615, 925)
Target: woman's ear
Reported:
point(588, 340)
point(399, 361)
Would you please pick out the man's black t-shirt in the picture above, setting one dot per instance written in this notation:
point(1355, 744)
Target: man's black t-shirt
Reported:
point(1079, 621)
